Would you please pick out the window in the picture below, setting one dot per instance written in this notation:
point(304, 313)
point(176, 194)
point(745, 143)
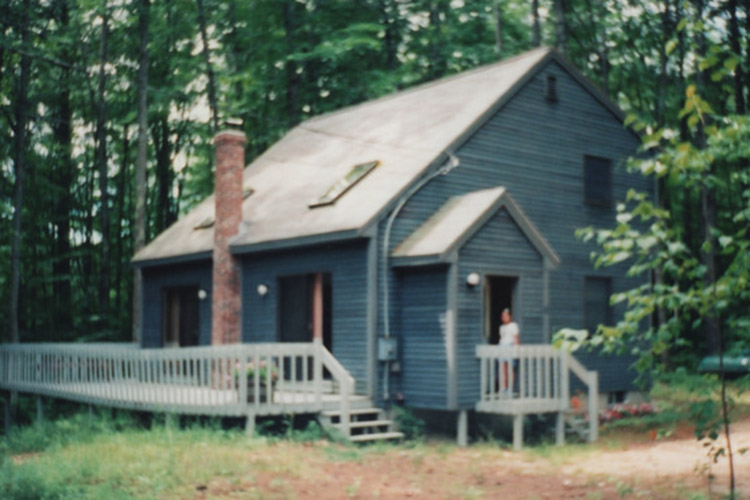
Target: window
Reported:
point(596, 308)
point(597, 181)
point(551, 88)
point(344, 184)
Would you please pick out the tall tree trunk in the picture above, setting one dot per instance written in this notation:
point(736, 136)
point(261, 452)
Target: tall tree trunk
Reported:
point(161, 135)
point(707, 194)
point(746, 5)
point(498, 11)
point(64, 176)
point(212, 102)
point(292, 78)
point(437, 63)
point(19, 167)
point(735, 43)
point(102, 164)
point(140, 164)
point(388, 18)
point(561, 35)
point(122, 195)
point(536, 32)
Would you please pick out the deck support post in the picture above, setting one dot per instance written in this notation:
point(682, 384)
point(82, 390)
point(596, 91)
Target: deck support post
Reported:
point(518, 431)
point(560, 429)
point(462, 428)
point(250, 424)
point(91, 413)
point(39, 410)
point(8, 413)
point(593, 406)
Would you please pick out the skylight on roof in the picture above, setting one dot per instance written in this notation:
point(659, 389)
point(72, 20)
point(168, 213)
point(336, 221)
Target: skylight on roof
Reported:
point(344, 184)
point(205, 223)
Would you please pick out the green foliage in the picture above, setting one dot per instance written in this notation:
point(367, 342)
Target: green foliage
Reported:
point(411, 425)
point(649, 239)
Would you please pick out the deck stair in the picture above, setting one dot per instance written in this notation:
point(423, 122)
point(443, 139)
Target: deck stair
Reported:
point(366, 425)
point(577, 425)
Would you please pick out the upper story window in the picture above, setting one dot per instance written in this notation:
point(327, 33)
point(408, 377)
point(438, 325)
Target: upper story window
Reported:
point(551, 89)
point(596, 308)
point(597, 181)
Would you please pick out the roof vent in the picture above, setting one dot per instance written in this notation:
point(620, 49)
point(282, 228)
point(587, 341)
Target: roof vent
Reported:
point(551, 93)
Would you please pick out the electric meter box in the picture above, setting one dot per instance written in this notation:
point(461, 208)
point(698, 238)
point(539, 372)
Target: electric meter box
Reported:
point(387, 349)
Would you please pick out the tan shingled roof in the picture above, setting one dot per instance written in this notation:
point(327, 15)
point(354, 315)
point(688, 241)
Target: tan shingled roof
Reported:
point(407, 132)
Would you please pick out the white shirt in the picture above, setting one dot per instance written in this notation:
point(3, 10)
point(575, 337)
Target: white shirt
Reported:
point(509, 333)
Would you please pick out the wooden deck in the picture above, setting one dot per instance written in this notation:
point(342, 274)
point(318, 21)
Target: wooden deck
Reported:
point(211, 380)
point(528, 379)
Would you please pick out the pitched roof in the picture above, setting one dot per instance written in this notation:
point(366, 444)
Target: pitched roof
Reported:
point(407, 132)
point(459, 219)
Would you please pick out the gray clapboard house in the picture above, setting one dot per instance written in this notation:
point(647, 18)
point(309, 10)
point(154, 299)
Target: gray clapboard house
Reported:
point(395, 231)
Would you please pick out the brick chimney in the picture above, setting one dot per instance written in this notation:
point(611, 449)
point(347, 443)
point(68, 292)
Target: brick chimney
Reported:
point(226, 308)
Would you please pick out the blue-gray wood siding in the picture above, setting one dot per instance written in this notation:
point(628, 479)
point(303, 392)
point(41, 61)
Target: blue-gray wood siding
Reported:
point(535, 149)
point(497, 249)
point(158, 278)
point(347, 264)
point(422, 300)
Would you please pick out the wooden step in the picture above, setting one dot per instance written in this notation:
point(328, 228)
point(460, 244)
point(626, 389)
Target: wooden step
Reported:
point(353, 412)
point(367, 423)
point(379, 436)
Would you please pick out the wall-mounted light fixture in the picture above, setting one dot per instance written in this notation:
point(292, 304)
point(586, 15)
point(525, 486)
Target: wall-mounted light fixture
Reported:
point(202, 294)
point(472, 279)
point(262, 289)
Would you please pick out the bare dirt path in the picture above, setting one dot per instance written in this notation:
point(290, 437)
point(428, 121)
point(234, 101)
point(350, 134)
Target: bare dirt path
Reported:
point(672, 468)
point(681, 459)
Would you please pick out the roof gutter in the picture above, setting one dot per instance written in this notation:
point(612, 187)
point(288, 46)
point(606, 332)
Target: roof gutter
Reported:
point(175, 259)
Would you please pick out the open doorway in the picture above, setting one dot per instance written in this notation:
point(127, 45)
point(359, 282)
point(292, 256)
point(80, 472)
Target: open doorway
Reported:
point(305, 312)
point(180, 316)
point(305, 308)
point(499, 293)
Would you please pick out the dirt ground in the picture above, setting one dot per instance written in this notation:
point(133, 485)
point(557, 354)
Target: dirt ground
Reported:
point(676, 467)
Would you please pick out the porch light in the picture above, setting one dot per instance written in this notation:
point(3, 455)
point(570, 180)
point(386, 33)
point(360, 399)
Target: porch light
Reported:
point(472, 279)
point(262, 289)
point(202, 294)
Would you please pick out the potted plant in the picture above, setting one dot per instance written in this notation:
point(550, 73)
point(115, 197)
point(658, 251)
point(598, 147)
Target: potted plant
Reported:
point(266, 372)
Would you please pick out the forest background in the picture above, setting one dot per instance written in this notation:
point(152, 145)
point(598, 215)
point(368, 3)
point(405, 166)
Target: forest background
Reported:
point(108, 109)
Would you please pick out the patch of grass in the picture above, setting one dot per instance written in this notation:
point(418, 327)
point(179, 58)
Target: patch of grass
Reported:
point(113, 458)
point(337, 453)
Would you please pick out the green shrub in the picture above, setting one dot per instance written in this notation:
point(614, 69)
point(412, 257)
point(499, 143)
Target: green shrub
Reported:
point(408, 423)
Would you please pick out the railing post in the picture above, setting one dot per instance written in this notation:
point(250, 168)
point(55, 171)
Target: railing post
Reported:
point(7, 400)
point(318, 370)
point(564, 380)
point(39, 410)
point(346, 391)
point(593, 383)
point(242, 381)
point(483, 371)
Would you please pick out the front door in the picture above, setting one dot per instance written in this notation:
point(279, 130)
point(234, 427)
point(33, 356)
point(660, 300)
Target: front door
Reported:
point(499, 293)
point(305, 312)
point(305, 308)
point(180, 316)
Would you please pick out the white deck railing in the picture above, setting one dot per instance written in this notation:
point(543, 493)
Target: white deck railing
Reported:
point(210, 380)
point(532, 379)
